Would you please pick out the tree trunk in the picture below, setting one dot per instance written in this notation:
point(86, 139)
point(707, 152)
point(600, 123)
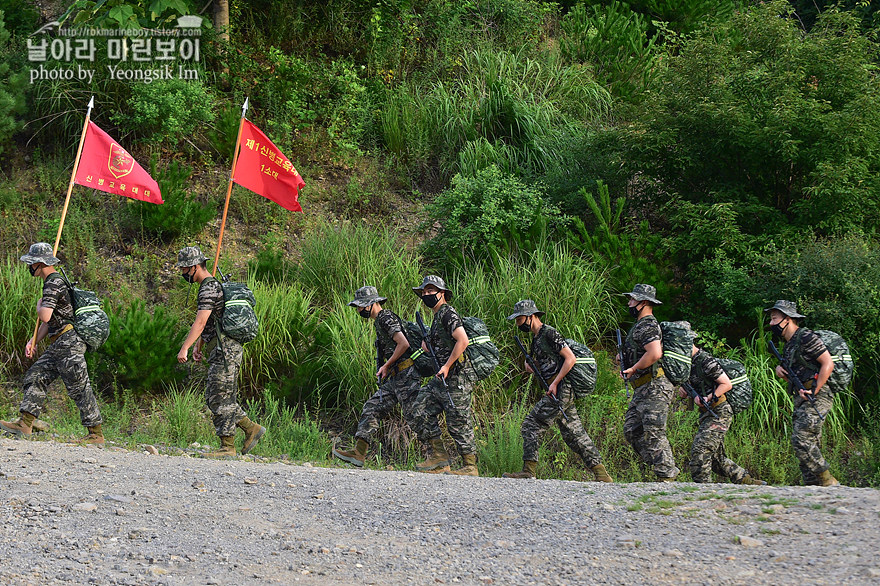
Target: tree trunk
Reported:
point(221, 18)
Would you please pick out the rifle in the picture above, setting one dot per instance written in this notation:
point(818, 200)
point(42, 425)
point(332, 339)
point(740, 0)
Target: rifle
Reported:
point(378, 366)
point(693, 394)
point(531, 362)
point(621, 362)
point(433, 355)
point(794, 378)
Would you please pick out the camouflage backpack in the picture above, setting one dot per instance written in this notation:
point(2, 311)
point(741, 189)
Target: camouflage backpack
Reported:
point(584, 372)
point(421, 360)
point(678, 342)
point(239, 319)
point(89, 320)
point(844, 366)
point(481, 352)
point(740, 394)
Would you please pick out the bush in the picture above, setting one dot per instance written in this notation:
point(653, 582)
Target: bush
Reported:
point(182, 212)
point(166, 111)
point(12, 86)
point(479, 213)
point(18, 297)
point(141, 352)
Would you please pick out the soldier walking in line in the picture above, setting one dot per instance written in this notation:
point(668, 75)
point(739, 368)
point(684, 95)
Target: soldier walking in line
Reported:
point(224, 357)
point(707, 452)
point(812, 362)
point(65, 356)
point(450, 341)
point(645, 423)
point(554, 359)
point(398, 380)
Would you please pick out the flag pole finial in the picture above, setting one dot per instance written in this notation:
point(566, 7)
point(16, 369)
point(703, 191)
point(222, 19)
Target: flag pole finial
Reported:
point(244, 108)
point(91, 105)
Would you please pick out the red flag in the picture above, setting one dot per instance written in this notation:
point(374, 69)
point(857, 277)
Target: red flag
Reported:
point(106, 166)
point(262, 168)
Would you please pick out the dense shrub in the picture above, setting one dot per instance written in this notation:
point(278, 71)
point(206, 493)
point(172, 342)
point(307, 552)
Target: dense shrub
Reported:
point(11, 90)
point(166, 111)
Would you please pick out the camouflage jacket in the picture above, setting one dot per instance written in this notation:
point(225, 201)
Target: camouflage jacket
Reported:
point(56, 296)
point(705, 370)
point(211, 298)
point(446, 321)
point(643, 332)
point(546, 348)
point(802, 353)
point(387, 325)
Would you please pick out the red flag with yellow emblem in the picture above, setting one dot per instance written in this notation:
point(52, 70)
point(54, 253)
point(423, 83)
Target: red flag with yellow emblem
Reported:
point(262, 168)
point(106, 166)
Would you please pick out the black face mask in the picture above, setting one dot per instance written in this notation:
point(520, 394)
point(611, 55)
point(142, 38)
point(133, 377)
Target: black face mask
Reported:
point(777, 330)
point(365, 312)
point(526, 326)
point(32, 269)
point(189, 277)
point(431, 299)
point(634, 311)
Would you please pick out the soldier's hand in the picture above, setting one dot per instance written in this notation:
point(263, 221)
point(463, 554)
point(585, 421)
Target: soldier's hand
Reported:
point(29, 349)
point(197, 354)
point(804, 393)
point(628, 373)
point(443, 372)
point(551, 388)
point(382, 372)
point(424, 346)
point(529, 368)
point(781, 372)
point(682, 394)
point(182, 355)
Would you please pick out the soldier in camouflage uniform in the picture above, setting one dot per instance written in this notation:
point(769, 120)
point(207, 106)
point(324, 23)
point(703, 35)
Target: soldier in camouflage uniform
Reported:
point(805, 352)
point(224, 357)
point(398, 380)
point(645, 424)
point(450, 341)
point(65, 356)
point(707, 452)
point(554, 360)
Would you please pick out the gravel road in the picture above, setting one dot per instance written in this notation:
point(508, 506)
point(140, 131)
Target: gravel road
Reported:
point(77, 515)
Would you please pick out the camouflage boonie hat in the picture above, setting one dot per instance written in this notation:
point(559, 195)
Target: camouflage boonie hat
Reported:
point(40, 252)
point(525, 308)
point(366, 296)
point(789, 308)
point(190, 256)
point(437, 282)
point(642, 292)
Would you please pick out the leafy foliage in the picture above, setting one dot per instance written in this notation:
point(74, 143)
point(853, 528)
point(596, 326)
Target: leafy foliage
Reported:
point(126, 15)
point(11, 90)
point(166, 110)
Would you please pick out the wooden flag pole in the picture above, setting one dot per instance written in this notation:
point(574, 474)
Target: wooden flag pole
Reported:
point(229, 188)
point(79, 150)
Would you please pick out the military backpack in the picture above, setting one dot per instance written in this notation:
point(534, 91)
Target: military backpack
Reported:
point(678, 343)
point(421, 360)
point(239, 318)
point(481, 351)
point(584, 373)
point(844, 366)
point(740, 394)
point(89, 320)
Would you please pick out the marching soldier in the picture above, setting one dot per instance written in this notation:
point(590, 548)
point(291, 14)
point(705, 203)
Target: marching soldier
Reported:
point(224, 357)
point(812, 362)
point(707, 451)
point(554, 360)
point(65, 356)
point(450, 341)
point(399, 381)
point(645, 423)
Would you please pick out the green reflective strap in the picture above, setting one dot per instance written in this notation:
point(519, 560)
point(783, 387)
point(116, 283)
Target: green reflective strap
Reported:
point(677, 356)
point(739, 380)
point(88, 308)
point(417, 353)
point(842, 358)
point(237, 302)
point(585, 361)
point(480, 340)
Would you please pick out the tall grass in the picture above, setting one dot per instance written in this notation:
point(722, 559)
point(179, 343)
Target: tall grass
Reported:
point(298, 437)
point(500, 444)
point(19, 292)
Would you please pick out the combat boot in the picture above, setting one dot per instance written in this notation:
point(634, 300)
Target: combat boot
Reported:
point(825, 479)
point(23, 426)
point(437, 460)
point(227, 448)
point(601, 474)
point(252, 434)
point(355, 456)
point(749, 479)
point(469, 466)
point(95, 436)
point(529, 470)
point(662, 479)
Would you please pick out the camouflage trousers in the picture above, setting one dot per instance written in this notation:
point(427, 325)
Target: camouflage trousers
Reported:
point(221, 393)
point(65, 358)
point(544, 414)
point(645, 426)
point(806, 435)
point(707, 452)
point(401, 388)
point(432, 400)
